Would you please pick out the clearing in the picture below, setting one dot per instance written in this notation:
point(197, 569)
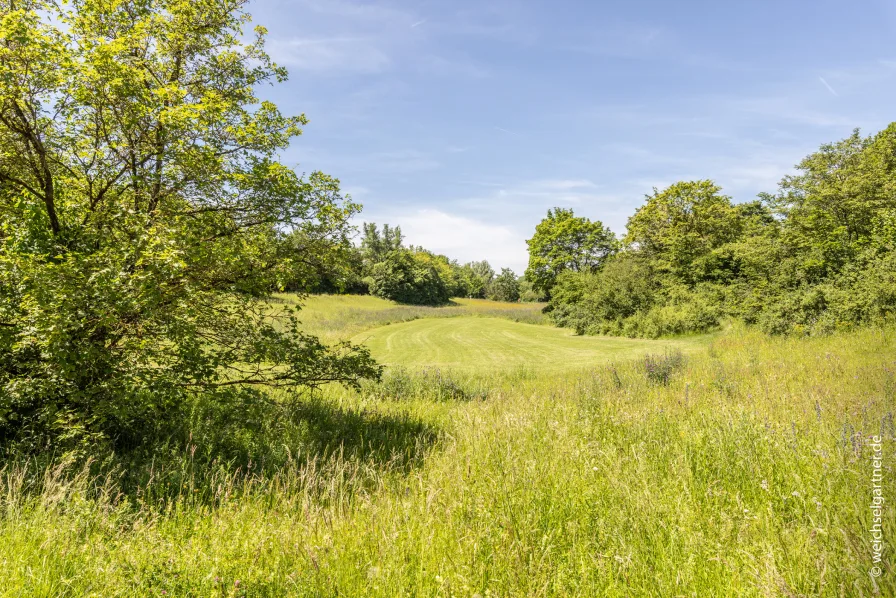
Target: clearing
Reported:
point(477, 343)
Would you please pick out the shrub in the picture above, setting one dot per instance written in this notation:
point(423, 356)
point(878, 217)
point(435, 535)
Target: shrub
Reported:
point(659, 368)
point(403, 278)
point(505, 287)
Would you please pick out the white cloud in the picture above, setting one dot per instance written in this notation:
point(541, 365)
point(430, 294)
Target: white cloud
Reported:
point(459, 237)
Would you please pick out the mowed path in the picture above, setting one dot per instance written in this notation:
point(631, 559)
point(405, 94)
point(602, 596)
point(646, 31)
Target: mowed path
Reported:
point(493, 343)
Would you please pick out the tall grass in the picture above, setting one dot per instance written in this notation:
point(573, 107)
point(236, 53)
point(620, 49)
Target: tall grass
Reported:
point(744, 472)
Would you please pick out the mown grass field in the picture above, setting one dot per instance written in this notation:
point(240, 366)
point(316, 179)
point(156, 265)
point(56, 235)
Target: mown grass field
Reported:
point(486, 343)
point(340, 317)
point(742, 470)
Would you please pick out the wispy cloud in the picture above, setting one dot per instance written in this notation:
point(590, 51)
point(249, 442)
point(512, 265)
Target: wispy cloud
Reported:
point(503, 130)
point(418, 23)
point(828, 85)
point(333, 55)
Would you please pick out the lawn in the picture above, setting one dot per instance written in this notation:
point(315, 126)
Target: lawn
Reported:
point(340, 317)
point(485, 343)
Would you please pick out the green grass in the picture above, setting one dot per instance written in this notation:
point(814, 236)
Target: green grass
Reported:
point(486, 344)
point(340, 317)
point(742, 470)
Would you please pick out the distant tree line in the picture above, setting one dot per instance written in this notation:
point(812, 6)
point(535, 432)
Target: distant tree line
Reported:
point(382, 265)
point(816, 256)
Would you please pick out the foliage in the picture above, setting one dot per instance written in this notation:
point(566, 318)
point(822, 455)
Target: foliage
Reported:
point(376, 245)
point(527, 293)
point(477, 277)
point(564, 242)
point(142, 219)
point(505, 287)
point(816, 257)
point(599, 303)
point(407, 277)
point(678, 228)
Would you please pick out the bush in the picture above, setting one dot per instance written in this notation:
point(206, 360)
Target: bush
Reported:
point(403, 278)
point(659, 368)
point(625, 298)
point(505, 287)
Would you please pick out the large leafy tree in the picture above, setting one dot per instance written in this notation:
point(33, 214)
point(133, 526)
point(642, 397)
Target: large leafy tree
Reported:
point(144, 215)
point(832, 206)
point(476, 277)
point(683, 224)
point(564, 242)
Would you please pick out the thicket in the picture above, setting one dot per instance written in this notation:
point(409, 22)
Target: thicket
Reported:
point(817, 256)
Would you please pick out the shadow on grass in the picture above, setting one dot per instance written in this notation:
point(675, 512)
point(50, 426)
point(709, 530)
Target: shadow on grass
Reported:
point(266, 443)
point(363, 435)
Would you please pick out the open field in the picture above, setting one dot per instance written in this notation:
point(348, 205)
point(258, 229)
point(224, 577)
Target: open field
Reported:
point(479, 343)
point(742, 470)
point(340, 317)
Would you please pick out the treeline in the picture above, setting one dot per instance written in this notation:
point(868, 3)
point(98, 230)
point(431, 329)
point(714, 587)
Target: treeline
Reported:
point(382, 265)
point(813, 257)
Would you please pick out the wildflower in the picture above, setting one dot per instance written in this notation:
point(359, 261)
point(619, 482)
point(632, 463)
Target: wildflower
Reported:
point(764, 485)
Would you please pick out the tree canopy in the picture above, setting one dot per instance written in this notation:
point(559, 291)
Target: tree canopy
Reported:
point(683, 223)
point(505, 286)
point(144, 214)
point(564, 242)
point(817, 255)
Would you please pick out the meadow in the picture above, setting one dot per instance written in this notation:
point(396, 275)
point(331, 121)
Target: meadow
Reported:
point(499, 456)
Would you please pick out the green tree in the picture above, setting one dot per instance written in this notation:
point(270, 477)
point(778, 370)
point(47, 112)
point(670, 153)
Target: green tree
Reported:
point(505, 286)
point(407, 278)
point(375, 245)
point(829, 208)
point(681, 225)
point(564, 242)
point(142, 218)
point(477, 277)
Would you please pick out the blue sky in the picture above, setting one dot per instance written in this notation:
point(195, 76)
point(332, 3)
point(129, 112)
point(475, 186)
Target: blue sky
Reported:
point(464, 121)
